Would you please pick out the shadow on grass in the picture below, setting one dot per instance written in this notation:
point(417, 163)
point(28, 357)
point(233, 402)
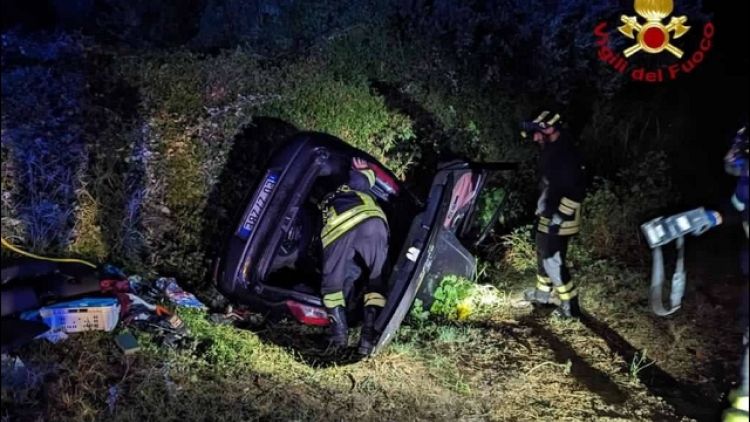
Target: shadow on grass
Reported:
point(685, 398)
point(595, 380)
point(308, 343)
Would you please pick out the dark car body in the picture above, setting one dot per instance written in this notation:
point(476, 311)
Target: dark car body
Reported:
point(270, 261)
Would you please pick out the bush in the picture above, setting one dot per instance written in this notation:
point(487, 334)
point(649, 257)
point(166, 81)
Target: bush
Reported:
point(612, 214)
point(43, 139)
point(614, 211)
point(520, 250)
point(194, 108)
point(459, 299)
point(351, 112)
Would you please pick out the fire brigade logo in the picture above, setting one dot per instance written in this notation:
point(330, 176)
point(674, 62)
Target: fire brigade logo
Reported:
point(653, 36)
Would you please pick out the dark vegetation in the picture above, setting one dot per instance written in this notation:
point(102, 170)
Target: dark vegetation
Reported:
point(131, 130)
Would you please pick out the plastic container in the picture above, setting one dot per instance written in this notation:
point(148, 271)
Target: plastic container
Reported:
point(87, 314)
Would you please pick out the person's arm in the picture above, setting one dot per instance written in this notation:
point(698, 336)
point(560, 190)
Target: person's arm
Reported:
point(361, 178)
point(566, 192)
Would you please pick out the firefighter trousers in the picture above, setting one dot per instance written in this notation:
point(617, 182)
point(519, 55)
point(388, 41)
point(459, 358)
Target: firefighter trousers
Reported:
point(364, 247)
point(552, 271)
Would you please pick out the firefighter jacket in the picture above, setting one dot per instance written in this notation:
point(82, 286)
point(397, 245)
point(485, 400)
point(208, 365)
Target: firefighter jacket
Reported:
point(562, 187)
point(736, 163)
point(349, 206)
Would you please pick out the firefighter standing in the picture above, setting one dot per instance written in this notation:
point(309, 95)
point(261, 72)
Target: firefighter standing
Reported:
point(558, 210)
point(736, 164)
point(355, 231)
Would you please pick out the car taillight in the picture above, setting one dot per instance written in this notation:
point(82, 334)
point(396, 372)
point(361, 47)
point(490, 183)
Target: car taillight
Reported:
point(306, 314)
point(386, 180)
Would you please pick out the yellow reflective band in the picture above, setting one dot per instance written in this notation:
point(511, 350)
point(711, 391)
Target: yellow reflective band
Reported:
point(570, 203)
point(374, 299)
point(543, 287)
point(338, 224)
point(370, 175)
point(569, 295)
point(332, 300)
point(567, 228)
point(568, 232)
point(544, 221)
point(553, 120)
point(565, 288)
point(542, 279)
point(734, 415)
point(523, 134)
point(741, 403)
point(543, 283)
point(562, 232)
point(541, 116)
point(566, 209)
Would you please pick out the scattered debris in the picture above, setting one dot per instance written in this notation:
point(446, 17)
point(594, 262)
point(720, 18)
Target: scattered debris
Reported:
point(167, 327)
point(85, 314)
point(113, 394)
point(54, 336)
point(176, 295)
point(230, 316)
point(127, 343)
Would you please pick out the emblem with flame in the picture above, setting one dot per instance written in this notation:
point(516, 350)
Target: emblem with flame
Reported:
point(653, 36)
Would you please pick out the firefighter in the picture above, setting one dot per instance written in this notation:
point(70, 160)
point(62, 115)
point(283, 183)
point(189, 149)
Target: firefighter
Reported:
point(355, 238)
point(736, 164)
point(562, 185)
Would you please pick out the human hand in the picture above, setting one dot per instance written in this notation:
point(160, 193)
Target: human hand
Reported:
point(714, 218)
point(359, 163)
point(555, 222)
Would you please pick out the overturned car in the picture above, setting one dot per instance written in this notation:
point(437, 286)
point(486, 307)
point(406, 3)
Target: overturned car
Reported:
point(271, 258)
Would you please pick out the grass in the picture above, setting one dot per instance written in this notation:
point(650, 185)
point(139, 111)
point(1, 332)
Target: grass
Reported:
point(137, 187)
point(497, 368)
point(638, 364)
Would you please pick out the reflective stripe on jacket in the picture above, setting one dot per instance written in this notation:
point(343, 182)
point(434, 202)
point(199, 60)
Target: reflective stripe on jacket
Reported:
point(361, 207)
point(563, 187)
point(567, 227)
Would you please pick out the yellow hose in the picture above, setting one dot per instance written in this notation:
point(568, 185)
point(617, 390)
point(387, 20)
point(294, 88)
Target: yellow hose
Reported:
point(17, 250)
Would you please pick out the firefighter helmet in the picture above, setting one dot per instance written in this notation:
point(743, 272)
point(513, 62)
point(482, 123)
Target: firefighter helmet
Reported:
point(544, 120)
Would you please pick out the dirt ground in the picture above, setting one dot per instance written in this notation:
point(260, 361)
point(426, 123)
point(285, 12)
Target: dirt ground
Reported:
point(618, 363)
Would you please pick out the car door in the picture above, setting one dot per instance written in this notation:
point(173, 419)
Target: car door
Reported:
point(438, 241)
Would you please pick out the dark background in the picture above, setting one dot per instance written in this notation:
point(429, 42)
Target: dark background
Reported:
point(703, 109)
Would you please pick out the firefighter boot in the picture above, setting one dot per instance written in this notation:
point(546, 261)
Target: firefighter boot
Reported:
point(338, 336)
point(374, 303)
point(367, 336)
point(568, 308)
point(537, 297)
point(542, 294)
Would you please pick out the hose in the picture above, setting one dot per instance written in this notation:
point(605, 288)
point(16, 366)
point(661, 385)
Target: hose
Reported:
point(657, 281)
point(20, 251)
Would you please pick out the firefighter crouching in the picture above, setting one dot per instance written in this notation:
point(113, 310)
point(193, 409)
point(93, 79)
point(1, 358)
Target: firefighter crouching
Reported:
point(558, 210)
point(355, 231)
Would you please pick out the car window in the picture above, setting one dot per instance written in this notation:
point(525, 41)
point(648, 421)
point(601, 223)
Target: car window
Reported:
point(487, 210)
